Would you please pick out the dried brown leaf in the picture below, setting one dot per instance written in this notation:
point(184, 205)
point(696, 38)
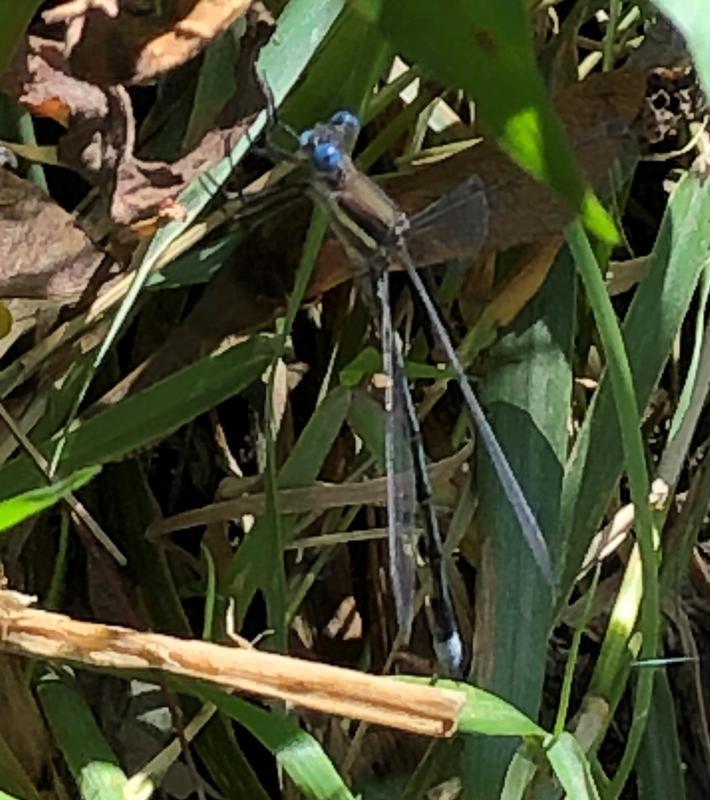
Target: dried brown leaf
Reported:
point(107, 45)
point(101, 135)
point(43, 254)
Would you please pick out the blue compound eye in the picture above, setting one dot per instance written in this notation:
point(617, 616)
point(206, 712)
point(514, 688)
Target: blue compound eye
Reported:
point(327, 157)
point(345, 118)
point(306, 138)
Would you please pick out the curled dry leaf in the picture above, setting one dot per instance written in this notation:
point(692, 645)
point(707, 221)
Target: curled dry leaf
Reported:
point(101, 128)
point(43, 254)
point(107, 44)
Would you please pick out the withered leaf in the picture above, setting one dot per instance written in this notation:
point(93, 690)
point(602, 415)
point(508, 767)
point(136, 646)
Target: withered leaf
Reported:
point(101, 135)
point(43, 254)
point(107, 44)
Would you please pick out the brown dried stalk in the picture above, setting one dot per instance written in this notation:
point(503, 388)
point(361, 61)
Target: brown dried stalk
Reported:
point(427, 710)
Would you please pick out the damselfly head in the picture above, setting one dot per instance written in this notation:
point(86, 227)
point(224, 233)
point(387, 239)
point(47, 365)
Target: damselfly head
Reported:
point(345, 119)
point(342, 130)
point(323, 147)
point(327, 157)
point(321, 134)
point(345, 126)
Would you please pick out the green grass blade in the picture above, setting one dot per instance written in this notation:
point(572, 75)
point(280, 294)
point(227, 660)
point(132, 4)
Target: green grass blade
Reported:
point(595, 464)
point(486, 48)
point(272, 536)
point(131, 510)
point(29, 503)
point(150, 415)
point(13, 776)
point(296, 751)
point(660, 770)
point(647, 594)
point(521, 771)
point(93, 764)
point(251, 567)
point(486, 713)
point(572, 768)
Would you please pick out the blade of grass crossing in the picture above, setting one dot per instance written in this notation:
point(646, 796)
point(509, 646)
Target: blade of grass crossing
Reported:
point(296, 751)
point(635, 460)
point(595, 464)
point(89, 756)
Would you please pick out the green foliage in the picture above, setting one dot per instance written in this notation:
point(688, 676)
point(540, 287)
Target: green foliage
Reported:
point(151, 404)
point(487, 50)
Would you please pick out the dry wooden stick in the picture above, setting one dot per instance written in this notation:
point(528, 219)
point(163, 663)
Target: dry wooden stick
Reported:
point(428, 710)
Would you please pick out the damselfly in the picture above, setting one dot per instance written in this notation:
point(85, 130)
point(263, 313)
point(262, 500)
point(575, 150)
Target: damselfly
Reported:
point(376, 233)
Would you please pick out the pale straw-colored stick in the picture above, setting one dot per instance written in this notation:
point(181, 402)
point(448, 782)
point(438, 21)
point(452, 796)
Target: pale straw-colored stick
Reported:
point(417, 708)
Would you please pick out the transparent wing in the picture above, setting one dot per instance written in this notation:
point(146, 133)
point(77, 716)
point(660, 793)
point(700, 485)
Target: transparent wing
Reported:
point(454, 226)
point(401, 485)
point(408, 486)
point(448, 644)
point(521, 508)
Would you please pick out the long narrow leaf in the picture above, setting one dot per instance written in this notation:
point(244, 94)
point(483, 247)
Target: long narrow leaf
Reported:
point(150, 415)
point(298, 753)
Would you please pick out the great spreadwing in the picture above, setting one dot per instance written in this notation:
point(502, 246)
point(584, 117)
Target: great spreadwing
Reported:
point(376, 235)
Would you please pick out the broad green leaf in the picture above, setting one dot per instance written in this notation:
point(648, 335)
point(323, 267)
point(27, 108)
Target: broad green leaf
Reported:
point(486, 48)
point(29, 503)
point(296, 751)
point(88, 754)
point(150, 415)
point(527, 393)
point(572, 768)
